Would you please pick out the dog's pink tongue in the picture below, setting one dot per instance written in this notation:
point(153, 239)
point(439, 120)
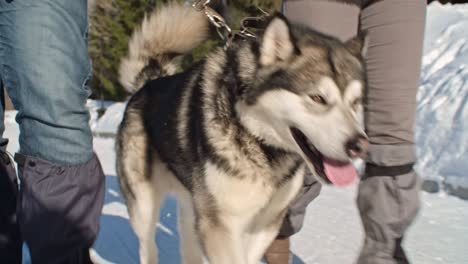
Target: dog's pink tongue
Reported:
point(340, 174)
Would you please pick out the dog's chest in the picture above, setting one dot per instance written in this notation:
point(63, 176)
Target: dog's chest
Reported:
point(250, 189)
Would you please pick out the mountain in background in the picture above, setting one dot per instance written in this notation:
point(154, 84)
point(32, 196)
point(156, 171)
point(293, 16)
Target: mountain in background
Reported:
point(442, 110)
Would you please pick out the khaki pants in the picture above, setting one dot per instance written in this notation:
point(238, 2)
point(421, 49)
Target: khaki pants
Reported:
point(388, 197)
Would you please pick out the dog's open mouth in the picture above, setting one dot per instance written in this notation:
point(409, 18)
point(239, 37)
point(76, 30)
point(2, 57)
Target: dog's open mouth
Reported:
point(331, 171)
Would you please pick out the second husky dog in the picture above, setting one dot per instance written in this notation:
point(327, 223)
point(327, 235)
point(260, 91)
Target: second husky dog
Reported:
point(233, 136)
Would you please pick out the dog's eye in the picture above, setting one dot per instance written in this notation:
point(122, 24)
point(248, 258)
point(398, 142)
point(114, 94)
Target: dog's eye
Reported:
point(318, 99)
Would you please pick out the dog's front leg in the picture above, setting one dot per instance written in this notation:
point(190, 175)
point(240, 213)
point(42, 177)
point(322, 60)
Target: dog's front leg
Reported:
point(222, 240)
point(262, 235)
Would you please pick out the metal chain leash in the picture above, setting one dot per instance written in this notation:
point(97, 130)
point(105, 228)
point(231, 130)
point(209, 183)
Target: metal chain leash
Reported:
point(249, 23)
point(224, 31)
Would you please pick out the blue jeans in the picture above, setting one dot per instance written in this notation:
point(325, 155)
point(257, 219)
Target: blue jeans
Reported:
point(44, 66)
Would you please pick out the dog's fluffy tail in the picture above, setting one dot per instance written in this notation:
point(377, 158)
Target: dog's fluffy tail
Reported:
point(168, 32)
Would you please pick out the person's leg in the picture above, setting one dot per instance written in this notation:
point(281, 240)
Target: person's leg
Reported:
point(331, 17)
point(294, 219)
point(45, 67)
point(10, 239)
point(388, 193)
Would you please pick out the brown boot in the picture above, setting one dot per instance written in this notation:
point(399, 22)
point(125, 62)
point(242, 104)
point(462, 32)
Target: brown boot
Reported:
point(278, 252)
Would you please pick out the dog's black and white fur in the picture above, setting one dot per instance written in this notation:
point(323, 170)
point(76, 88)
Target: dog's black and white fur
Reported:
point(227, 136)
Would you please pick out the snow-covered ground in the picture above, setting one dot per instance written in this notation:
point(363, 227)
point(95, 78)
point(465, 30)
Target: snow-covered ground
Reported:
point(332, 231)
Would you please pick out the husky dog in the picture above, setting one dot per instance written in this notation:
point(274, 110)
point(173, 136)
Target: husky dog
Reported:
point(233, 136)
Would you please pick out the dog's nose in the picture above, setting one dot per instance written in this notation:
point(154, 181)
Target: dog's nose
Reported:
point(357, 146)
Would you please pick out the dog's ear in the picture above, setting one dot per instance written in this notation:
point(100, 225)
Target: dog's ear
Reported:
point(278, 43)
point(358, 45)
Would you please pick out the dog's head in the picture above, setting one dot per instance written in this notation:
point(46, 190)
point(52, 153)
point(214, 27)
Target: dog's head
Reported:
point(306, 96)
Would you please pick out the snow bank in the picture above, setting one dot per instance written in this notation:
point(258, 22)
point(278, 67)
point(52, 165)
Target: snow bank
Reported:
point(441, 127)
point(109, 122)
point(94, 106)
